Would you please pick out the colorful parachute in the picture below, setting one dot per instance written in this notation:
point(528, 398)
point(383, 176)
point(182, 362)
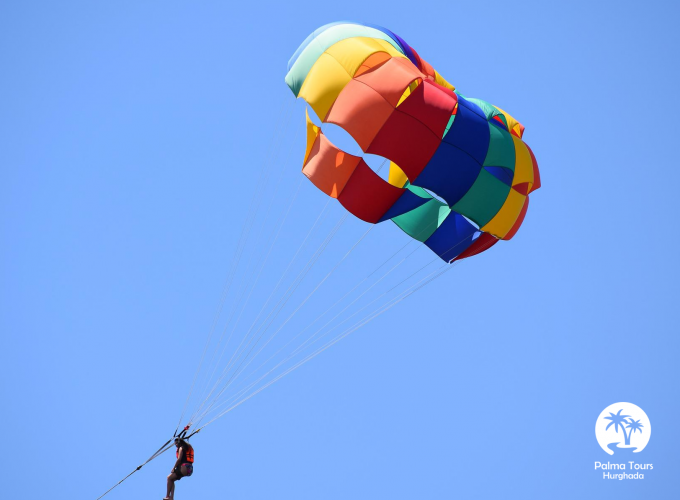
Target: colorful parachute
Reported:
point(467, 152)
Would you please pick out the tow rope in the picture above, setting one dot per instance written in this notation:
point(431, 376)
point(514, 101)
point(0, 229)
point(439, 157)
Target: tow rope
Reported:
point(166, 446)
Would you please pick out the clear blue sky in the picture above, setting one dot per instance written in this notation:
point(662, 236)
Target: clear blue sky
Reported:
point(131, 137)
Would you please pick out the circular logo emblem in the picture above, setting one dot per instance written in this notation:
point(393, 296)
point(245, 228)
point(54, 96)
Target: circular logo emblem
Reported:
point(623, 428)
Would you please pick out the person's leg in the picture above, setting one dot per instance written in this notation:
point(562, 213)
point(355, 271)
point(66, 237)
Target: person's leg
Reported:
point(171, 486)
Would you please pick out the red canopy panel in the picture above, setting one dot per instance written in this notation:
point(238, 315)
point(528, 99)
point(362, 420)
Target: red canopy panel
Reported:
point(368, 196)
point(391, 79)
point(349, 179)
point(328, 167)
point(537, 175)
point(406, 141)
point(429, 105)
point(361, 111)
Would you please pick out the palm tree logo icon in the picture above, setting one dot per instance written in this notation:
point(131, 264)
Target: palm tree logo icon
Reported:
point(619, 420)
point(611, 421)
point(633, 425)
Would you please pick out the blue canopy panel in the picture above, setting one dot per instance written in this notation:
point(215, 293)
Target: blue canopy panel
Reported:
point(450, 173)
point(453, 237)
point(470, 130)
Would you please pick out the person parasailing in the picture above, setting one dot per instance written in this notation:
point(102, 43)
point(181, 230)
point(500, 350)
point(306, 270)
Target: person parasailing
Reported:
point(184, 465)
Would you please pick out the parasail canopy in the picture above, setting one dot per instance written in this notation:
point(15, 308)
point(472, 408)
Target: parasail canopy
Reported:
point(460, 173)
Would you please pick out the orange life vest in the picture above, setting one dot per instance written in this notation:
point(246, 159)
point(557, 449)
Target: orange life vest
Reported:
point(188, 452)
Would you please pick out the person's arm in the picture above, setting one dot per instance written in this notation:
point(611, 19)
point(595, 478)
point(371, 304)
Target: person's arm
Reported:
point(178, 463)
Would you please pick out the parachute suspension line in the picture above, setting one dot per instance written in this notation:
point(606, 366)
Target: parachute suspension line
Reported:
point(239, 369)
point(283, 300)
point(295, 352)
point(319, 330)
point(252, 216)
point(360, 283)
point(205, 398)
point(312, 292)
point(279, 226)
point(360, 296)
point(422, 231)
point(356, 286)
point(301, 346)
point(405, 294)
point(326, 324)
point(296, 336)
point(425, 281)
point(445, 266)
point(302, 304)
point(282, 116)
point(160, 451)
point(343, 310)
point(275, 239)
point(364, 321)
point(321, 216)
point(316, 222)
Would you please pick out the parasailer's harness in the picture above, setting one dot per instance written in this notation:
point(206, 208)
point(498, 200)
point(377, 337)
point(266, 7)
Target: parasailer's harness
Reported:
point(166, 446)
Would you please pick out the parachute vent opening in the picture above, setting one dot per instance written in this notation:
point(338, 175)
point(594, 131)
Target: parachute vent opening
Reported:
point(341, 139)
point(312, 116)
point(379, 165)
point(435, 195)
point(472, 222)
point(346, 143)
